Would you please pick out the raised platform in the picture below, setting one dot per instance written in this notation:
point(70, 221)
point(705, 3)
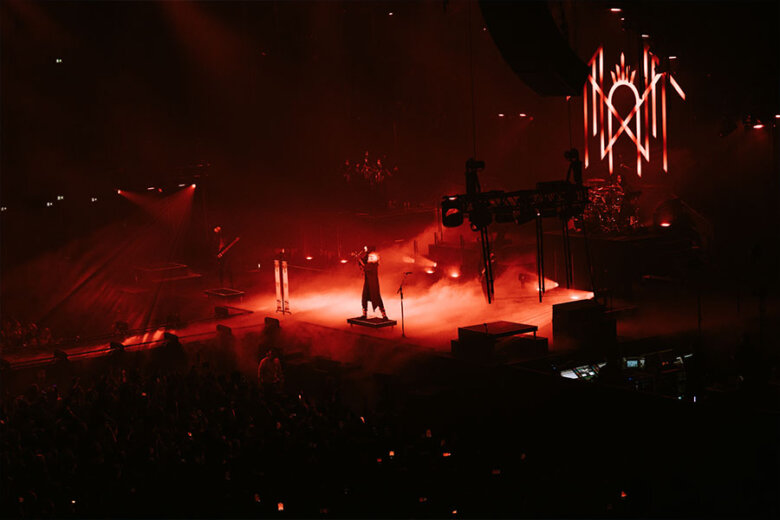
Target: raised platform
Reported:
point(373, 323)
point(480, 341)
point(497, 329)
point(161, 272)
point(224, 294)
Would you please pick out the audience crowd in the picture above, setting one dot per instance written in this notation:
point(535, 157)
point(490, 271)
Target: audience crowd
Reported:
point(199, 442)
point(15, 334)
point(164, 438)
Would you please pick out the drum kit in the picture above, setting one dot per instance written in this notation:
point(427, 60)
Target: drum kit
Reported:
point(611, 210)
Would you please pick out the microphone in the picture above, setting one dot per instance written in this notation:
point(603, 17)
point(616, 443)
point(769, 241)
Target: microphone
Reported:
point(408, 272)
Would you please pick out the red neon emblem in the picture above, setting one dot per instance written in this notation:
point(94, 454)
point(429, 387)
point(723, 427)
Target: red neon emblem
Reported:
point(643, 112)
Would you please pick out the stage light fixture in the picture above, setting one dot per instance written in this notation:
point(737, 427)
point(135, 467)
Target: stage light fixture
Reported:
point(60, 197)
point(171, 338)
point(665, 224)
point(777, 116)
point(758, 126)
point(118, 192)
point(3, 208)
point(522, 114)
point(615, 9)
point(451, 212)
point(390, 13)
point(93, 199)
point(193, 186)
point(49, 204)
point(343, 260)
point(150, 188)
point(500, 115)
point(182, 185)
point(309, 258)
point(58, 60)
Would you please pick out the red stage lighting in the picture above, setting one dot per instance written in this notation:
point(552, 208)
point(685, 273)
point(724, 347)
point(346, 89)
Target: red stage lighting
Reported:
point(758, 126)
point(308, 258)
point(193, 186)
point(665, 224)
point(522, 114)
point(182, 185)
point(429, 271)
point(615, 9)
point(118, 192)
point(150, 188)
point(343, 260)
point(455, 274)
point(500, 115)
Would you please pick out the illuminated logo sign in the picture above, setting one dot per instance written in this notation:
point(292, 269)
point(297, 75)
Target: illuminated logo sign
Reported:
point(643, 115)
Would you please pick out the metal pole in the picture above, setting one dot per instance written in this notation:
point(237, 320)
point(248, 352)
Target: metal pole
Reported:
point(403, 330)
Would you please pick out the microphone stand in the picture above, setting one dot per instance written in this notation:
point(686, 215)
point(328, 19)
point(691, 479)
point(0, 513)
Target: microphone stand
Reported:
point(401, 292)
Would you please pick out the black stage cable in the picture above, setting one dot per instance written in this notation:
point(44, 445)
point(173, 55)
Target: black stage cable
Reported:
point(471, 76)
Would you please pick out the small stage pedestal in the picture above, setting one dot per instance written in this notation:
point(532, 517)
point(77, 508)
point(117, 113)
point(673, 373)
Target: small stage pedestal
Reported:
point(224, 295)
point(372, 323)
point(479, 342)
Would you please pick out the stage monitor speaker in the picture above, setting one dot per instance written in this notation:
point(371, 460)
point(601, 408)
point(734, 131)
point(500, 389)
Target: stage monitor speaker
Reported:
point(223, 330)
point(531, 43)
point(221, 312)
point(272, 324)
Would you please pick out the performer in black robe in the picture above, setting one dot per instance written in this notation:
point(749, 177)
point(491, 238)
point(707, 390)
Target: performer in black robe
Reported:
point(369, 262)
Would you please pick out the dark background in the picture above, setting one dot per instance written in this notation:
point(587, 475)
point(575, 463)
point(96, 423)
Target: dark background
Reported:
point(264, 101)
